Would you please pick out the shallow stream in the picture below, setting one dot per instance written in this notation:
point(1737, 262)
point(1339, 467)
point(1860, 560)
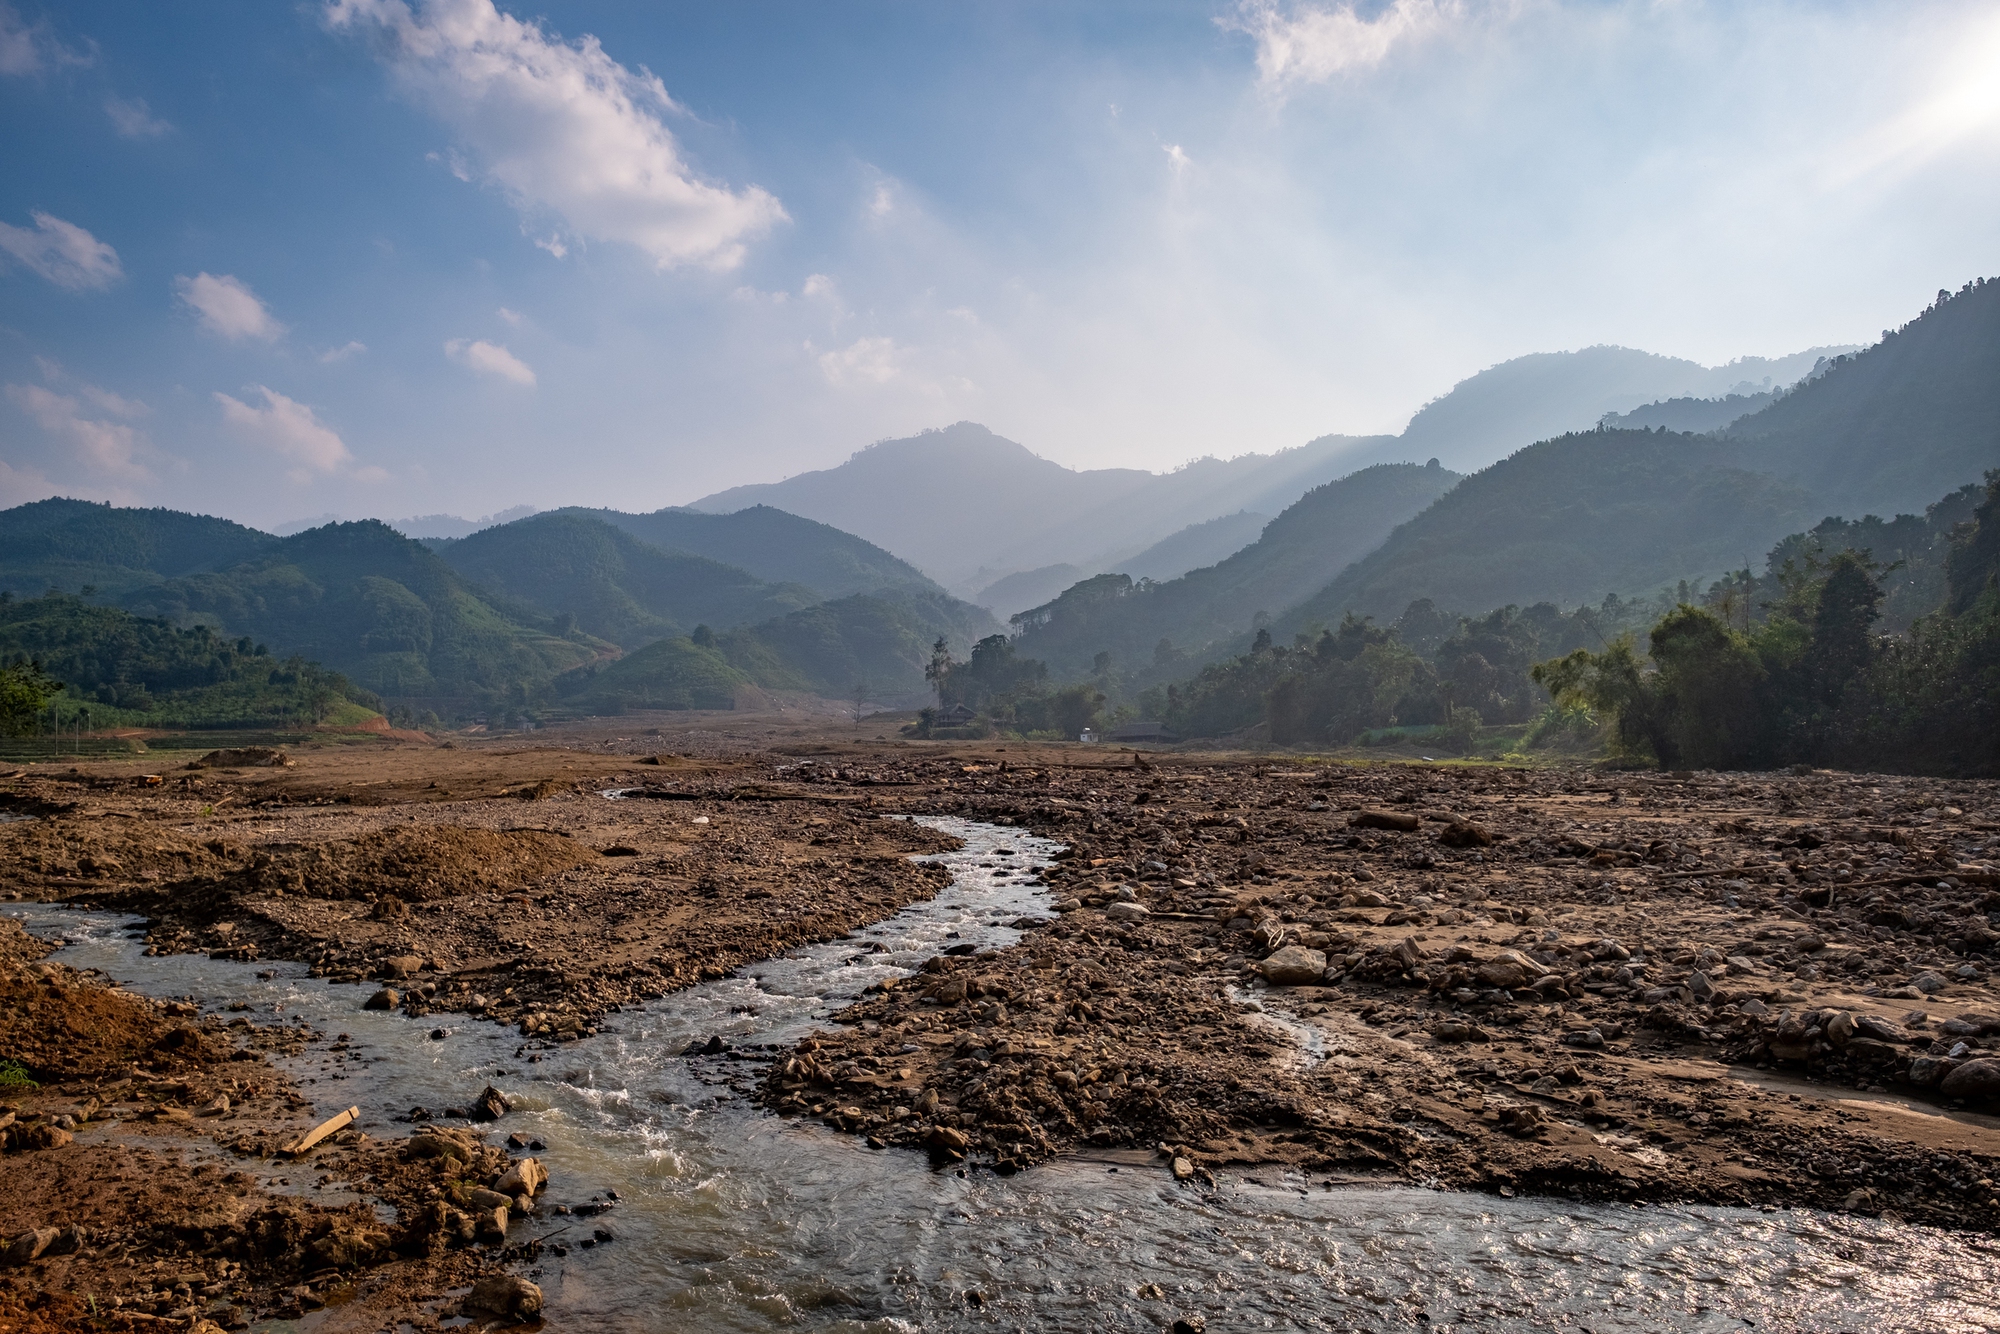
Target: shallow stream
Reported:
point(729, 1218)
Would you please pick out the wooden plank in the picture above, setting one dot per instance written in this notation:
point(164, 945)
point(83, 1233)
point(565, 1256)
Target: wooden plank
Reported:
point(319, 1132)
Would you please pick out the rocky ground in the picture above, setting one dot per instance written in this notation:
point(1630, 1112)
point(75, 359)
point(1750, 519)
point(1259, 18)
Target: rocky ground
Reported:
point(1747, 989)
point(1751, 989)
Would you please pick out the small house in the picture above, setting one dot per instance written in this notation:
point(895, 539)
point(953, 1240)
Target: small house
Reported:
point(956, 715)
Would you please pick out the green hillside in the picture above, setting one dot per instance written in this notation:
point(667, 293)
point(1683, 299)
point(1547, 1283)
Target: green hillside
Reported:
point(1622, 511)
point(1567, 521)
point(879, 641)
point(776, 547)
point(1888, 428)
point(1331, 526)
point(370, 603)
point(69, 544)
point(576, 565)
point(121, 669)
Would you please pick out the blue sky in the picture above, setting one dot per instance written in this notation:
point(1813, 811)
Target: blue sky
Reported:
point(367, 257)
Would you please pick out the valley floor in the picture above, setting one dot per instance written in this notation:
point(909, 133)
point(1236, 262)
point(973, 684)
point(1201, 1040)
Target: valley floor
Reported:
point(1766, 989)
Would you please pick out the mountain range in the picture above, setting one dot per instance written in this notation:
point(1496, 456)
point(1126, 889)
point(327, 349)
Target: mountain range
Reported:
point(1035, 516)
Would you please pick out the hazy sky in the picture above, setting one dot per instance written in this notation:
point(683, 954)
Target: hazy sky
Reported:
point(278, 259)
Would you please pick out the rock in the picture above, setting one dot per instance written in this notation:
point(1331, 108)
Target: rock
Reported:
point(1452, 1030)
point(1365, 898)
point(1840, 1029)
point(1975, 1081)
point(1294, 966)
point(1465, 834)
point(216, 1106)
point(1380, 819)
point(1876, 1027)
point(1929, 983)
point(526, 1177)
point(1699, 984)
point(490, 1105)
point(1183, 1170)
point(243, 757)
point(1188, 1324)
point(42, 1137)
point(388, 998)
point(402, 965)
point(481, 1198)
point(1270, 935)
point(492, 1223)
point(1926, 1071)
point(1523, 1120)
point(1591, 1037)
point(1504, 974)
point(1859, 1199)
point(29, 1246)
point(1068, 905)
point(505, 1294)
point(948, 1139)
point(1127, 912)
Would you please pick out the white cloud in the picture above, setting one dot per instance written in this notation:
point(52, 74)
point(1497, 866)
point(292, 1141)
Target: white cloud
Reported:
point(1177, 158)
point(342, 353)
point(1313, 43)
point(864, 361)
point(101, 399)
point(62, 252)
point(563, 129)
point(109, 448)
point(228, 307)
point(289, 429)
point(134, 119)
point(27, 48)
point(817, 284)
point(20, 485)
point(512, 317)
point(489, 359)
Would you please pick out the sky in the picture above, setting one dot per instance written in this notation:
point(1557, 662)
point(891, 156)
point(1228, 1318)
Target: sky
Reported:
point(377, 257)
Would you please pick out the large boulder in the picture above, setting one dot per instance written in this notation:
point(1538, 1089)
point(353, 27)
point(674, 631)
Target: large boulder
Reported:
point(1402, 821)
point(490, 1105)
point(523, 1178)
point(505, 1294)
point(1975, 1081)
point(1294, 966)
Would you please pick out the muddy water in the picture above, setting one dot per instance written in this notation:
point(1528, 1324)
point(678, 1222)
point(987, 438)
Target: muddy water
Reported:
point(730, 1219)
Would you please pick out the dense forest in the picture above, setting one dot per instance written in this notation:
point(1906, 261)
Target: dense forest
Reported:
point(67, 662)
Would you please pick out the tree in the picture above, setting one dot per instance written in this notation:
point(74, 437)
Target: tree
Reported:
point(938, 670)
point(25, 690)
point(859, 700)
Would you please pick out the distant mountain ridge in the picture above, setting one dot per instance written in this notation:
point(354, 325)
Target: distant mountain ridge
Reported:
point(961, 499)
point(1330, 527)
point(1570, 519)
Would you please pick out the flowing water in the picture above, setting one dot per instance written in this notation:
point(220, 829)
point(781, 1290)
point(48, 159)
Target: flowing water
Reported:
point(731, 1219)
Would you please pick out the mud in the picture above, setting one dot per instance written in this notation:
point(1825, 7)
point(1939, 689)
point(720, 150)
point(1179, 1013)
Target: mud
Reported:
point(1743, 989)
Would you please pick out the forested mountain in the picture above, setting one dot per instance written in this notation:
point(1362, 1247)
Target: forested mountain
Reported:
point(70, 543)
point(581, 573)
point(969, 507)
point(1330, 527)
point(1195, 546)
point(1622, 511)
point(877, 643)
point(777, 547)
point(1567, 521)
point(383, 610)
point(1889, 428)
point(1545, 394)
point(1026, 588)
point(107, 666)
point(1690, 414)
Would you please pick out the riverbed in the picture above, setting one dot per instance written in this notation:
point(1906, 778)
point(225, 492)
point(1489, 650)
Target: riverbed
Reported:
point(729, 1218)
